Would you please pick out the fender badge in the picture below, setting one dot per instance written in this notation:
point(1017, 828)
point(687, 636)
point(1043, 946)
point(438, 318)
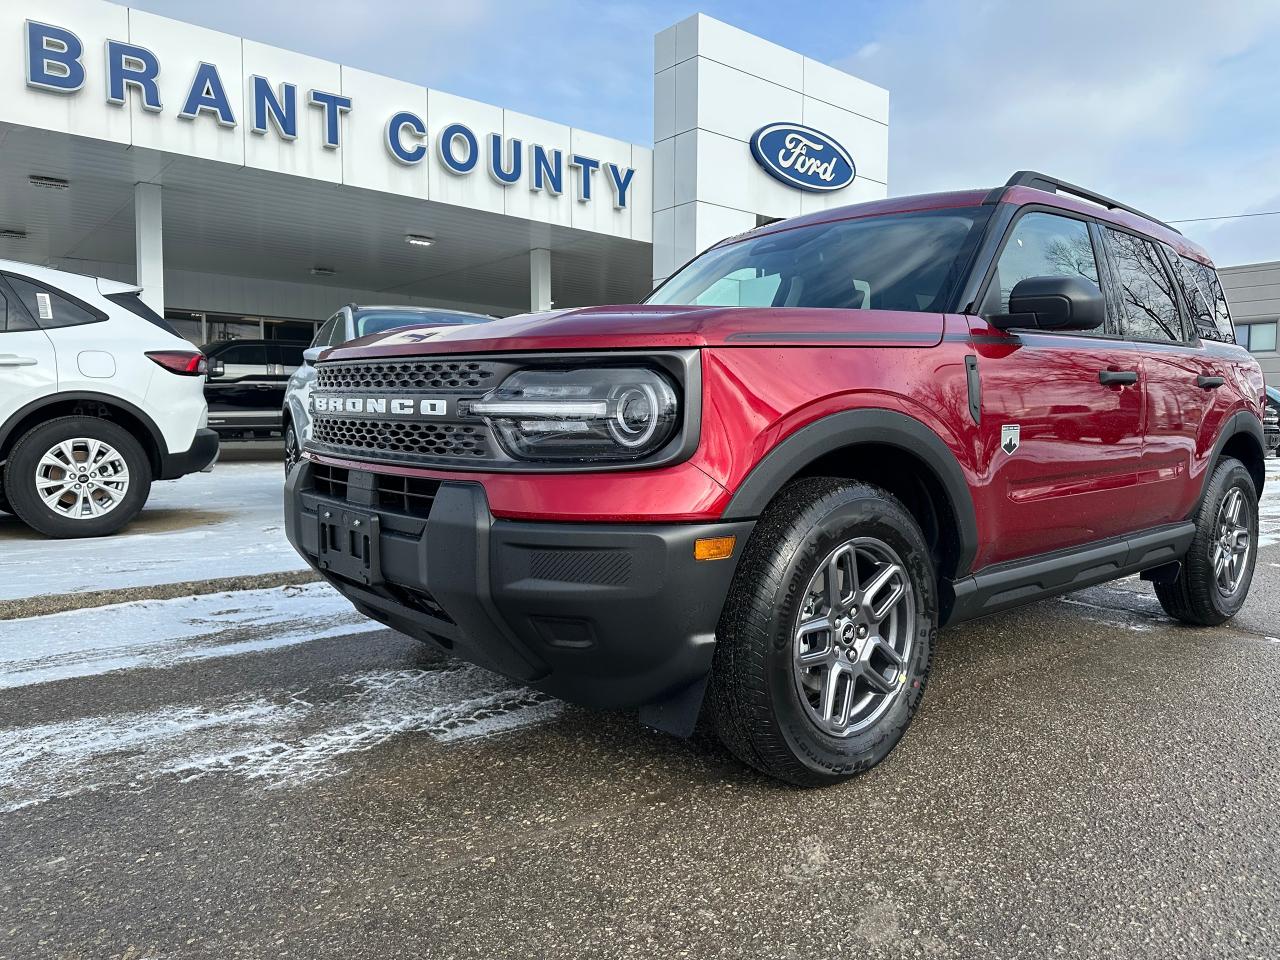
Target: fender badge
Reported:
point(1010, 437)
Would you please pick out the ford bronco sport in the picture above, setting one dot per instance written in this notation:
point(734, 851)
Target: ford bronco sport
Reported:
point(768, 485)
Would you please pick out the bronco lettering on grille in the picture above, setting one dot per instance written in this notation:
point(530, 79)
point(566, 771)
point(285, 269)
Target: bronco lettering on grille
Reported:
point(381, 406)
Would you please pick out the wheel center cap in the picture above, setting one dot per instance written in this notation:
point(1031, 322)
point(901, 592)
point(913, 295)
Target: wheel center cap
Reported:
point(847, 633)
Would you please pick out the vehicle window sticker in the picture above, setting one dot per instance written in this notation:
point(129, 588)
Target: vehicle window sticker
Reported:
point(44, 303)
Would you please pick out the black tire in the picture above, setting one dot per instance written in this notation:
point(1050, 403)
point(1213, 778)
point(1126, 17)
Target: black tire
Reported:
point(292, 450)
point(20, 477)
point(1195, 597)
point(755, 701)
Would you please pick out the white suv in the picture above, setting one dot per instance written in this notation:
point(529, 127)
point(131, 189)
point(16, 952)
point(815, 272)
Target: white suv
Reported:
point(98, 397)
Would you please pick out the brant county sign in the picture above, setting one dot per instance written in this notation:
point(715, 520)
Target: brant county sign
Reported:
point(802, 157)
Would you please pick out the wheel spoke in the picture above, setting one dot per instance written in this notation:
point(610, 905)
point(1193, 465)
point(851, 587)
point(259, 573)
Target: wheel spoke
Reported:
point(830, 685)
point(877, 584)
point(877, 680)
point(842, 561)
point(879, 645)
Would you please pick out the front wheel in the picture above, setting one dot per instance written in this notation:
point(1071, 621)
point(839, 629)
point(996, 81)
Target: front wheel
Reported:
point(824, 646)
point(1218, 569)
point(292, 449)
point(77, 477)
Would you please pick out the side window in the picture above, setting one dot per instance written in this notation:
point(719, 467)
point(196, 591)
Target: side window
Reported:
point(338, 335)
point(323, 335)
point(1146, 291)
point(1198, 298)
point(12, 317)
point(1041, 245)
point(290, 355)
point(50, 308)
point(244, 354)
point(1221, 312)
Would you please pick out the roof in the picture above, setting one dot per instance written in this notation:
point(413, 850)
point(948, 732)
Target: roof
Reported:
point(1018, 194)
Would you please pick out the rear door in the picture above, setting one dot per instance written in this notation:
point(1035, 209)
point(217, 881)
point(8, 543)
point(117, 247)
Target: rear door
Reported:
point(1060, 447)
point(1190, 387)
point(245, 387)
point(28, 365)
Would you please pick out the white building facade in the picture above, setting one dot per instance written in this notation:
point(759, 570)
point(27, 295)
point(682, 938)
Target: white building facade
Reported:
point(251, 190)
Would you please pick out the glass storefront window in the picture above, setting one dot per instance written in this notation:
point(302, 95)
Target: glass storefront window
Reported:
point(1257, 337)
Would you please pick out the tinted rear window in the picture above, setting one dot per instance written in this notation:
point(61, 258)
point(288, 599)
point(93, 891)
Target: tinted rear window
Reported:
point(53, 308)
point(133, 303)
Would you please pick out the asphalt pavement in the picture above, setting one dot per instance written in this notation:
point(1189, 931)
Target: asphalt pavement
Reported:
point(260, 773)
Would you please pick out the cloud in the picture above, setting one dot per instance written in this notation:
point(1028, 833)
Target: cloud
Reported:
point(1154, 102)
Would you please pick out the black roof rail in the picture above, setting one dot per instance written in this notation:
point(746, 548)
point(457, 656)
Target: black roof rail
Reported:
point(1042, 181)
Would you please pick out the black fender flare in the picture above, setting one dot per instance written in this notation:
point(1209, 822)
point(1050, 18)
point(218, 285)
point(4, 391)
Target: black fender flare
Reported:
point(1242, 421)
point(158, 443)
point(849, 428)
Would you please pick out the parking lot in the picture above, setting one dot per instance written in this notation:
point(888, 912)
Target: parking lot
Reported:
point(205, 753)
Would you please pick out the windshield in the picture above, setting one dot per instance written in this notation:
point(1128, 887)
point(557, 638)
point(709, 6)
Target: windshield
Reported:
point(903, 261)
point(383, 320)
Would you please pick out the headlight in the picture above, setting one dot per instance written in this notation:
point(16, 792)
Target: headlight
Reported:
point(607, 413)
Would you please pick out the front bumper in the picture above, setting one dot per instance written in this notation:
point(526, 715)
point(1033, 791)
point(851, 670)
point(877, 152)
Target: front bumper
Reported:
point(606, 615)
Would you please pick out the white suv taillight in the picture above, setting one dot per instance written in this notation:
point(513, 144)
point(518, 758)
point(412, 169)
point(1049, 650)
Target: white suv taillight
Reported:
point(182, 362)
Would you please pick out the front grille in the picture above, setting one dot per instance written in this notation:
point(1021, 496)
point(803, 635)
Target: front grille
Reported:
point(405, 438)
point(411, 495)
point(330, 481)
point(406, 375)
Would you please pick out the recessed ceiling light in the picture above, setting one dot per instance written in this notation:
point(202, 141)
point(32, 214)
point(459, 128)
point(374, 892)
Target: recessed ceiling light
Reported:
point(417, 240)
point(49, 183)
point(13, 235)
point(323, 271)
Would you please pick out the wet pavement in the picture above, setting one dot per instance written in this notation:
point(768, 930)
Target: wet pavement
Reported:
point(275, 778)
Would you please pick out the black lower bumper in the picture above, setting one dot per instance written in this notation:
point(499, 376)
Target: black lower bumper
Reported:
point(202, 452)
point(607, 615)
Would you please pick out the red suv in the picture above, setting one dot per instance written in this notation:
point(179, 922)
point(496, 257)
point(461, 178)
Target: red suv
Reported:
point(768, 485)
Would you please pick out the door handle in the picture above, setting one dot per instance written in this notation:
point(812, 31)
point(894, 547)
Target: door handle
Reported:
point(1210, 383)
point(1117, 378)
point(13, 360)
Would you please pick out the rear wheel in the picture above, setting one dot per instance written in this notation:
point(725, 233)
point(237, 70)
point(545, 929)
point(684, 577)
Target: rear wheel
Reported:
point(1218, 569)
point(824, 646)
point(77, 477)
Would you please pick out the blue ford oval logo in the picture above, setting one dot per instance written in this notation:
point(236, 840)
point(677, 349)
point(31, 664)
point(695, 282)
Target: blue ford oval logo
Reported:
point(802, 157)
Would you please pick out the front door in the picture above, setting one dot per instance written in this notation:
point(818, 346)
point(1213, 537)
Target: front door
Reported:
point(1060, 437)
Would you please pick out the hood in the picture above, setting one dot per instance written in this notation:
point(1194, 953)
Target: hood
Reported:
point(642, 326)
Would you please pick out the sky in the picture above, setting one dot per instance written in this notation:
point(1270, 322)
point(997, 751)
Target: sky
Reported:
point(1166, 105)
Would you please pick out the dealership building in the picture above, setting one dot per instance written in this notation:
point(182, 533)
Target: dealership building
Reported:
point(252, 190)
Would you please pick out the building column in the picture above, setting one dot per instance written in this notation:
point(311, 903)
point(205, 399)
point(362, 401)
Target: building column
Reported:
point(539, 280)
point(148, 236)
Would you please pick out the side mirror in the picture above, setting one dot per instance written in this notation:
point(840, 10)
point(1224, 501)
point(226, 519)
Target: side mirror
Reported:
point(216, 369)
point(1053, 303)
point(312, 354)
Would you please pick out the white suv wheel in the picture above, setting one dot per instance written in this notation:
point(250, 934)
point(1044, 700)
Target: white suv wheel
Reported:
point(82, 478)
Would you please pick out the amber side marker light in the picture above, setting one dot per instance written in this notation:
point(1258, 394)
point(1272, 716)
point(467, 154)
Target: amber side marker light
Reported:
point(714, 548)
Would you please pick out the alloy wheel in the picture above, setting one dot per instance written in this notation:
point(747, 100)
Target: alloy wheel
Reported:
point(853, 637)
point(1230, 548)
point(82, 478)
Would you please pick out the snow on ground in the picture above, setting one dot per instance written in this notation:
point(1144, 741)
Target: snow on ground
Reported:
point(280, 739)
point(226, 523)
point(1269, 507)
point(163, 633)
